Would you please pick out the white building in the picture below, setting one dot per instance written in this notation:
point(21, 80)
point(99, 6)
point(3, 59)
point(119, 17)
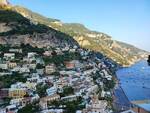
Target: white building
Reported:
point(9, 56)
point(53, 111)
point(34, 78)
point(51, 91)
point(15, 50)
point(3, 66)
point(31, 55)
point(69, 98)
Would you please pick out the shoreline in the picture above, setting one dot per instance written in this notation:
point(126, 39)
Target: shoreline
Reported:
point(120, 100)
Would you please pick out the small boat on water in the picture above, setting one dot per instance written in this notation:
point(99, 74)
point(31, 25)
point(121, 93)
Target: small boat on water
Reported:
point(148, 60)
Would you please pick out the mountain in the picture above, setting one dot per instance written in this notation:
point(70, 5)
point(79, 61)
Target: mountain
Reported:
point(16, 29)
point(120, 52)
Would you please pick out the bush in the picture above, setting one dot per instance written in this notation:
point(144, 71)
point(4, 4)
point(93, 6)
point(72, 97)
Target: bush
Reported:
point(29, 108)
point(41, 89)
point(7, 80)
point(67, 90)
point(39, 66)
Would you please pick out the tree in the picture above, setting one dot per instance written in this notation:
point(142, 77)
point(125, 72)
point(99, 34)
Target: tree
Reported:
point(29, 108)
point(67, 90)
point(39, 66)
point(72, 106)
point(41, 89)
point(11, 79)
point(109, 85)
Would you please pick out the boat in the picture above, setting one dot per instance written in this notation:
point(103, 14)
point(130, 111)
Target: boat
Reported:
point(148, 60)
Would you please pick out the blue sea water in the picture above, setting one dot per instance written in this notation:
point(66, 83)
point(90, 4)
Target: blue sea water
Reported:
point(135, 81)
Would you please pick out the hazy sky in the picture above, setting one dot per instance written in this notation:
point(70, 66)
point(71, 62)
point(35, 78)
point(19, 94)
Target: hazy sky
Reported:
point(124, 20)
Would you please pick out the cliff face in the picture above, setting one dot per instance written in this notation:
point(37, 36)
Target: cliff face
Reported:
point(4, 2)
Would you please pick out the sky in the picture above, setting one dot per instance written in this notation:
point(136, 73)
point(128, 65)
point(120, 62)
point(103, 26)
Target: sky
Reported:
point(124, 20)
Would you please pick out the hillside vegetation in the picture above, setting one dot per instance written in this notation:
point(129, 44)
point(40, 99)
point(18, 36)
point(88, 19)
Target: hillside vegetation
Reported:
point(16, 29)
point(120, 52)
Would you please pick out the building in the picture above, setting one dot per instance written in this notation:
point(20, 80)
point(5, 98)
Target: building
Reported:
point(32, 66)
point(40, 71)
point(11, 109)
point(49, 69)
point(16, 101)
point(17, 92)
point(3, 66)
point(30, 85)
point(51, 91)
point(31, 55)
point(128, 111)
point(70, 64)
point(61, 83)
point(53, 111)
point(69, 98)
point(96, 105)
point(141, 107)
point(3, 93)
point(15, 50)
point(9, 56)
point(46, 100)
point(24, 70)
point(72, 50)
point(47, 53)
point(35, 77)
point(92, 89)
point(5, 73)
point(65, 49)
point(12, 65)
point(20, 101)
point(58, 51)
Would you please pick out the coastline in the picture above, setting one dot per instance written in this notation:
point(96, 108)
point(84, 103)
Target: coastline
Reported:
point(120, 100)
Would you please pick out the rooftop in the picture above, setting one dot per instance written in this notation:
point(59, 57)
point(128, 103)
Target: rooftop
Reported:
point(145, 106)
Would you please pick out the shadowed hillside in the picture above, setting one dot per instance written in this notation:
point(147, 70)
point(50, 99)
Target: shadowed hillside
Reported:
point(16, 29)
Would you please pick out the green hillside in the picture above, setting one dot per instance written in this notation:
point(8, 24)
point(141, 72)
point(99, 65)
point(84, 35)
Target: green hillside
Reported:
point(120, 52)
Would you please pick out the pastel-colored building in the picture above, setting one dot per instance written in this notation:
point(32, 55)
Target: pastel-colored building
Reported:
point(46, 100)
point(12, 65)
point(49, 69)
point(17, 92)
point(70, 64)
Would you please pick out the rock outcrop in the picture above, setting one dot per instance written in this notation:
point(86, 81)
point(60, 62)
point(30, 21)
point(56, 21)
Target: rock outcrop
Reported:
point(4, 2)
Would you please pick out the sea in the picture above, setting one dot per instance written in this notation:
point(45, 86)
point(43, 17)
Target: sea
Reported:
point(135, 81)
